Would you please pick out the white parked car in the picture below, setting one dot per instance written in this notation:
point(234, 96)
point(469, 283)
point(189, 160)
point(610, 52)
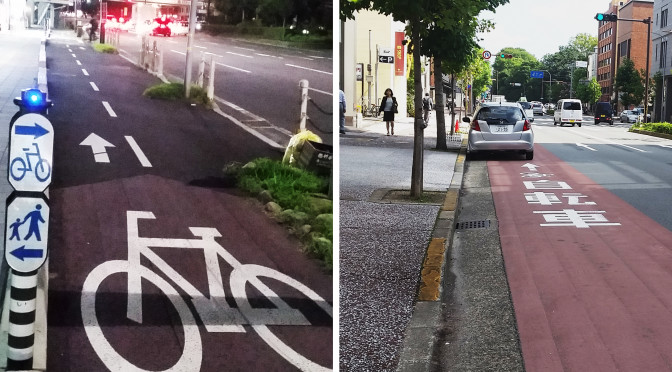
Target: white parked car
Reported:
point(629, 116)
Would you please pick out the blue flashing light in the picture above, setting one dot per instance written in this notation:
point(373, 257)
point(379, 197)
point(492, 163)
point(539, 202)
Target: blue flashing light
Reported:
point(33, 100)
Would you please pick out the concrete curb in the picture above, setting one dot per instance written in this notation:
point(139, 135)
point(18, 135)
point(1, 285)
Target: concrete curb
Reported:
point(653, 134)
point(420, 335)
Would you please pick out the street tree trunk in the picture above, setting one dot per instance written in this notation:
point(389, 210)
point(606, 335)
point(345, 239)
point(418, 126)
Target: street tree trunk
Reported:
point(419, 135)
point(453, 86)
point(440, 106)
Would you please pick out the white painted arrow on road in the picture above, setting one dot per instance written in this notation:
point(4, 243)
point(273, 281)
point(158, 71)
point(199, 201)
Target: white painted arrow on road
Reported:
point(98, 145)
point(529, 166)
point(586, 146)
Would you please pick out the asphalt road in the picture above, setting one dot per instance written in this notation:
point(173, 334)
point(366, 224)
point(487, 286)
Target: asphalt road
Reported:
point(586, 242)
point(261, 79)
point(156, 261)
point(632, 166)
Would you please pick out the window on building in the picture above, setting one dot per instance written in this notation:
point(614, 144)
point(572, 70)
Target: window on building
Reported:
point(663, 55)
point(663, 18)
point(656, 58)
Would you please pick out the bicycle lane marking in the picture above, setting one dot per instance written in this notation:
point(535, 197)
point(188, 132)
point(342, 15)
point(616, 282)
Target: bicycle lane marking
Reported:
point(588, 294)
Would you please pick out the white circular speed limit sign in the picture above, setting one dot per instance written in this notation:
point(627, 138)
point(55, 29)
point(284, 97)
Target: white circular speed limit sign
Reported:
point(486, 54)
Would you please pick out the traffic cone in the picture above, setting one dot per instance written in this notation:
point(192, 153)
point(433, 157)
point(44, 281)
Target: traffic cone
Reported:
point(457, 125)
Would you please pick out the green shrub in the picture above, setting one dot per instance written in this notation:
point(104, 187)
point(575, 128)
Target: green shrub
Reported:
point(175, 91)
point(410, 104)
point(550, 112)
point(293, 188)
point(105, 48)
point(654, 127)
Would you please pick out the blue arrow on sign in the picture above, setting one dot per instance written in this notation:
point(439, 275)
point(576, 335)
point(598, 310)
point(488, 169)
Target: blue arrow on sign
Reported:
point(22, 253)
point(35, 130)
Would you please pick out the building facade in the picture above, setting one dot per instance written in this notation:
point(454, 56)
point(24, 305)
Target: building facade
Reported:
point(661, 59)
point(606, 51)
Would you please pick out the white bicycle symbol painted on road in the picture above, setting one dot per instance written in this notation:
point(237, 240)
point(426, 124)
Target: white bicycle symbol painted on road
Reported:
point(216, 314)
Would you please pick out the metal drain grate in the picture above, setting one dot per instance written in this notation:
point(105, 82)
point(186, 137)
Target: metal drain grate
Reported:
point(482, 224)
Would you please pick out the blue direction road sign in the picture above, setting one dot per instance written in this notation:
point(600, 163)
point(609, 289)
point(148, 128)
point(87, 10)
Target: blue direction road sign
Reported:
point(31, 147)
point(537, 74)
point(27, 231)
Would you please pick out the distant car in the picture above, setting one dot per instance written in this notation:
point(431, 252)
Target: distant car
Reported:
point(527, 106)
point(640, 111)
point(568, 111)
point(500, 126)
point(179, 27)
point(538, 108)
point(629, 116)
point(603, 112)
point(161, 26)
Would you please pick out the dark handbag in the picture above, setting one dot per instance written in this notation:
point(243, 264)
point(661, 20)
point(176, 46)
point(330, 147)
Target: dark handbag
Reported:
point(396, 111)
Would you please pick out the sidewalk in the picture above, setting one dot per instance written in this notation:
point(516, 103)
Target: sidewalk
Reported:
point(384, 241)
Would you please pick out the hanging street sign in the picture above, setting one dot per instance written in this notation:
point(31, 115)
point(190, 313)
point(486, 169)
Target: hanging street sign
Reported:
point(27, 231)
point(31, 147)
point(537, 74)
point(385, 55)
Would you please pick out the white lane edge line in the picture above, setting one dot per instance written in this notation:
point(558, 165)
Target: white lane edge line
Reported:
point(178, 52)
point(585, 146)
point(86, 73)
point(238, 54)
point(666, 146)
point(608, 141)
point(235, 68)
point(94, 86)
point(321, 91)
point(109, 109)
point(309, 69)
point(138, 152)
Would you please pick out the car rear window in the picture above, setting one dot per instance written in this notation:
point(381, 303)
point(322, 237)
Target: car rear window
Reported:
point(571, 106)
point(526, 105)
point(497, 115)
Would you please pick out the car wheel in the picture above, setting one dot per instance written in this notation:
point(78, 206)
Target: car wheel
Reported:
point(529, 155)
point(578, 125)
point(597, 122)
point(573, 124)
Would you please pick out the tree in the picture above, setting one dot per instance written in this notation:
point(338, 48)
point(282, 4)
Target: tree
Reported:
point(629, 83)
point(589, 92)
point(419, 15)
point(517, 70)
point(578, 49)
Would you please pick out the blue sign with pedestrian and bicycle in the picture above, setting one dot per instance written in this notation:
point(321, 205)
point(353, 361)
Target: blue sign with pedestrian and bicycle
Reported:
point(27, 232)
point(31, 146)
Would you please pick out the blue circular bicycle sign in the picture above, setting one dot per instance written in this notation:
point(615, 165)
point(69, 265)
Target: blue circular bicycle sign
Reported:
point(31, 147)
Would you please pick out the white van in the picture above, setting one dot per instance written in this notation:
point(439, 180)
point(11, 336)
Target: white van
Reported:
point(568, 111)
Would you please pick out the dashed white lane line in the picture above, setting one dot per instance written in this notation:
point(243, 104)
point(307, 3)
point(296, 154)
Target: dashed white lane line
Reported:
point(82, 48)
point(73, 55)
point(310, 59)
point(216, 55)
point(201, 47)
point(309, 69)
point(268, 55)
point(138, 152)
point(607, 141)
point(238, 54)
point(234, 68)
point(109, 109)
point(78, 63)
point(178, 52)
point(94, 86)
point(250, 49)
point(85, 72)
point(69, 50)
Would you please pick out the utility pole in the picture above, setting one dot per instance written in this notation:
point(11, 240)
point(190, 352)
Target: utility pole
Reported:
point(648, 52)
point(190, 44)
point(368, 70)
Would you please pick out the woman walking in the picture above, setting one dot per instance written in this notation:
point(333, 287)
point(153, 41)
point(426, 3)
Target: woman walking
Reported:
point(388, 106)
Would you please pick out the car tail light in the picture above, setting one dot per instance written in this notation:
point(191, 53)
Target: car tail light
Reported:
point(475, 126)
point(526, 125)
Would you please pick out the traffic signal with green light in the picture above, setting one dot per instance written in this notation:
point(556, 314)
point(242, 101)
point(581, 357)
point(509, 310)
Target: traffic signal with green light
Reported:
point(504, 55)
point(606, 17)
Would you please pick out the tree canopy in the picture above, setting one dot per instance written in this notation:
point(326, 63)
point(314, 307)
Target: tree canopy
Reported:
point(629, 83)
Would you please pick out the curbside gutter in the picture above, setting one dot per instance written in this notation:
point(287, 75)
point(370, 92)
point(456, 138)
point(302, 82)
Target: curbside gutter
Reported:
point(420, 335)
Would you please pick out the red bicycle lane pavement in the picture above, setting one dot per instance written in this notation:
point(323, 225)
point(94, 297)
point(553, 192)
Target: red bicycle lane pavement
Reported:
point(590, 275)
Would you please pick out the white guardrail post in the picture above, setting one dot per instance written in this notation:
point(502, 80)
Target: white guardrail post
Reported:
point(304, 104)
point(211, 78)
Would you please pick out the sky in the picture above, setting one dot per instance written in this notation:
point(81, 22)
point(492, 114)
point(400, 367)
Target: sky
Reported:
point(540, 26)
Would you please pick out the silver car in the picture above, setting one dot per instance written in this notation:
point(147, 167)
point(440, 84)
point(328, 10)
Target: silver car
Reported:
point(629, 116)
point(501, 127)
